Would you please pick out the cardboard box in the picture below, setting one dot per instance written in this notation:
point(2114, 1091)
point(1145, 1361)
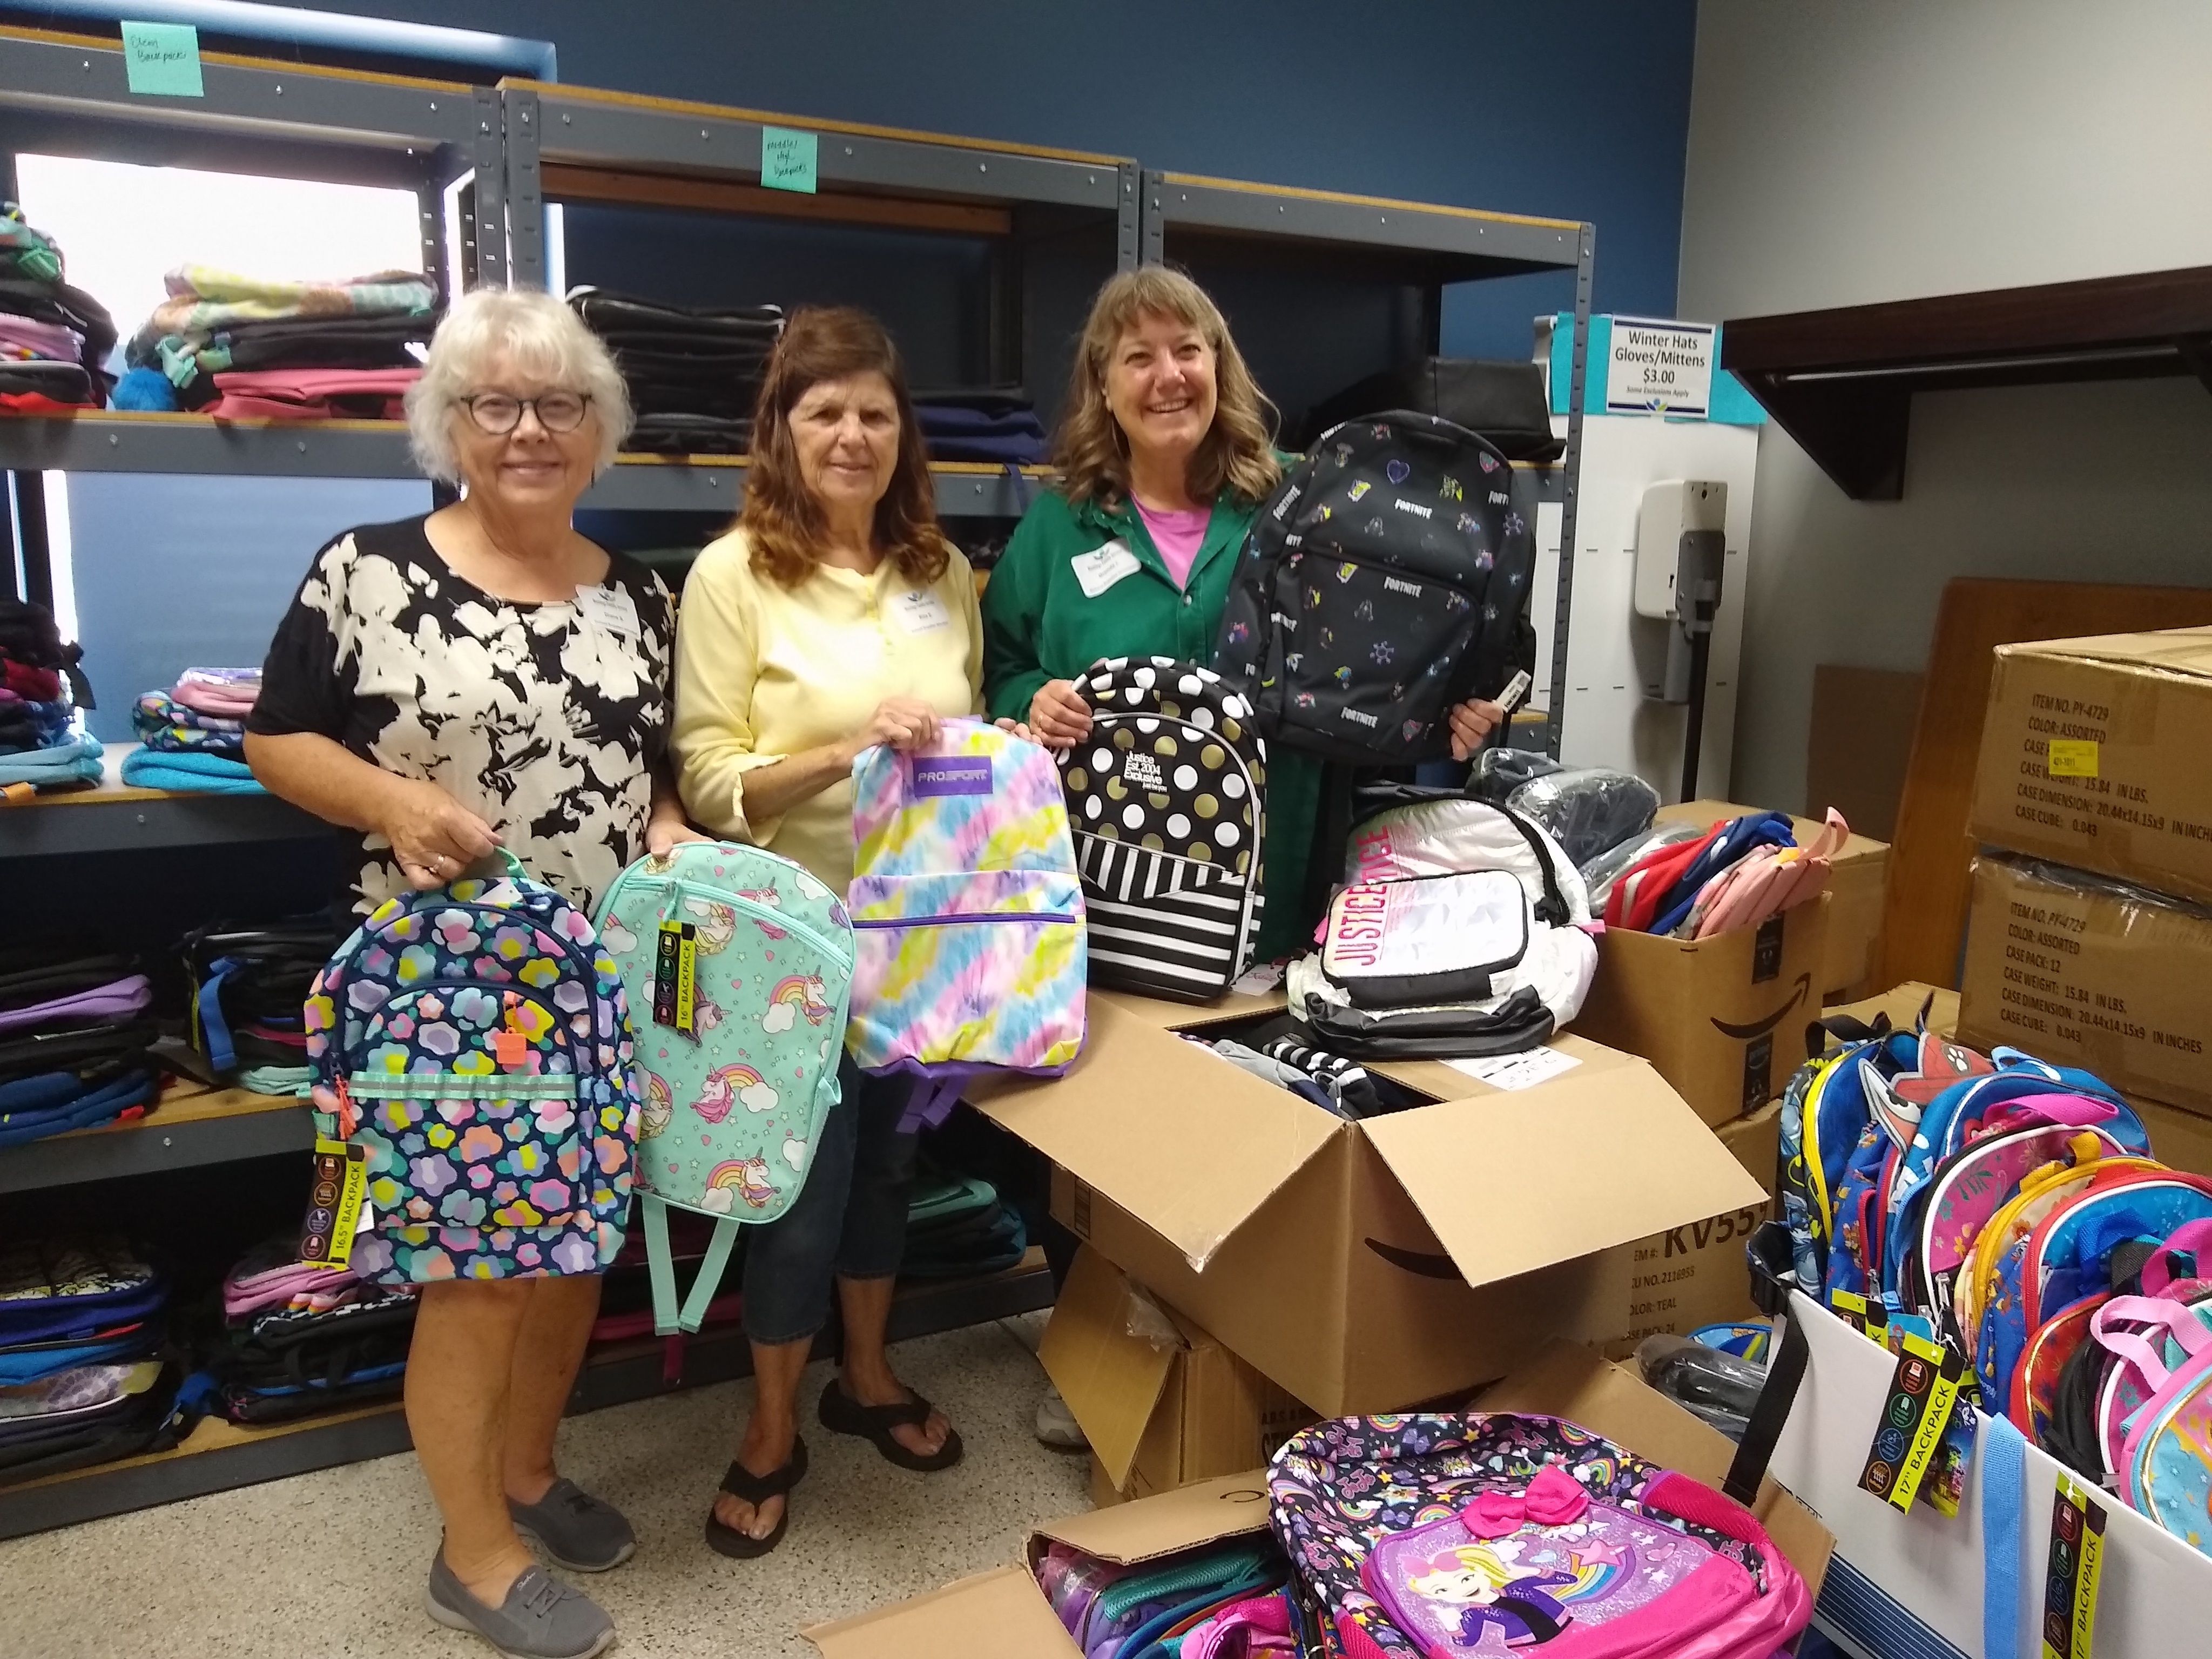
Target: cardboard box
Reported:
point(1902, 1005)
point(1858, 881)
point(1002, 1613)
point(1721, 1018)
point(2086, 973)
point(1695, 1274)
point(1162, 1401)
point(1364, 1266)
point(2128, 792)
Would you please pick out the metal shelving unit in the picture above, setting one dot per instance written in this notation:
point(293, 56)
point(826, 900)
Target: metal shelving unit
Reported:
point(219, 1455)
point(190, 1125)
point(1423, 245)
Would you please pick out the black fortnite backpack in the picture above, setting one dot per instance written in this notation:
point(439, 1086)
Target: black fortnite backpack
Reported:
point(1385, 580)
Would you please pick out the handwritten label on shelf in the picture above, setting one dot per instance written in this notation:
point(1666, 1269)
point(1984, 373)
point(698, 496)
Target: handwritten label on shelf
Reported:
point(787, 160)
point(163, 59)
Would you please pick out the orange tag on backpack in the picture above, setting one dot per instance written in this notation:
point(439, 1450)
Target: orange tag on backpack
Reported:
point(509, 1048)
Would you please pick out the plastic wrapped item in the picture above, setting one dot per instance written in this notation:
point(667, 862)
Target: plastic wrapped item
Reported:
point(1499, 772)
point(1589, 810)
point(1717, 1387)
point(1608, 867)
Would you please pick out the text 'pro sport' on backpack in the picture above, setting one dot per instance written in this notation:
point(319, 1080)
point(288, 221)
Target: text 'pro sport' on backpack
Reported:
point(1384, 582)
point(1165, 802)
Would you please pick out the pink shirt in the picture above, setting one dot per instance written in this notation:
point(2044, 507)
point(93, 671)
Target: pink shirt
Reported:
point(1178, 536)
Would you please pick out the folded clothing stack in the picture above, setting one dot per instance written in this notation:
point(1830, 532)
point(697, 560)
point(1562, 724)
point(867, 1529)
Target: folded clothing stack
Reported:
point(193, 739)
point(693, 374)
point(40, 747)
point(996, 426)
point(54, 339)
point(1737, 874)
point(249, 986)
point(204, 713)
point(84, 1377)
point(75, 1043)
point(958, 1227)
point(242, 347)
point(295, 1339)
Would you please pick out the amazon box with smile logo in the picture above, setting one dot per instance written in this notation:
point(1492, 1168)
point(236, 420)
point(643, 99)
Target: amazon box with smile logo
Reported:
point(1723, 1019)
point(1367, 1266)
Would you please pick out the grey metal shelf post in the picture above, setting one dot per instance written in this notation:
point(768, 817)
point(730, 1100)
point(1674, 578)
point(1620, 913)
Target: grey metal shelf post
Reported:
point(1570, 464)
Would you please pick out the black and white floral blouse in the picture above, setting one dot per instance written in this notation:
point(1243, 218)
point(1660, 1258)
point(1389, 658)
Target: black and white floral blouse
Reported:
point(546, 721)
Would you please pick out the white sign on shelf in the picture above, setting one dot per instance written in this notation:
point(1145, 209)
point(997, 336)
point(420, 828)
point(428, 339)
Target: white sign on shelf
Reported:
point(1654, 367)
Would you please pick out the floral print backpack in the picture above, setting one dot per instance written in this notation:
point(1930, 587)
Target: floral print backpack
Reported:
point(473, 1040)
point(1494, 1532)
point(738, 966)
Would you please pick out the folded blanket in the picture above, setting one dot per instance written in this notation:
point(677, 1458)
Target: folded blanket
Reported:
point(167, 726)
point(223, 693)
point(61, 766)
point(204, 300)
point(312, 394)
point(199, 774)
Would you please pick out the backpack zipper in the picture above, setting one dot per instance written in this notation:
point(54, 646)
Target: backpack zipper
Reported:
point(755, 911)
point(1119, 1597)
point(951, 917)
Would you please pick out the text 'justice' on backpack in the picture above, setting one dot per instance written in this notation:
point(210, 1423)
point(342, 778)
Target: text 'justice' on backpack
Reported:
point(1164, 802)
point(1386, 580)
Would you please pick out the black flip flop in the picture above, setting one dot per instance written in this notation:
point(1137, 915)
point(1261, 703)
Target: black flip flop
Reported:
point(843, 1414)
point(756, 1490)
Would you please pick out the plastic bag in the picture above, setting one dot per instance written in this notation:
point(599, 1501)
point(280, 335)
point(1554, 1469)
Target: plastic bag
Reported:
point(1717, 1387)
point(1600, 874)
point(1588, 808)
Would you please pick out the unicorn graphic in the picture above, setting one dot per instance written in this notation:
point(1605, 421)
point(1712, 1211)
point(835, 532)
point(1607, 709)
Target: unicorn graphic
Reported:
point(717, 924)
point(742, 1178)
point(770, 898)
point(795, 994)
point(660, 1105)
point(730, 1086)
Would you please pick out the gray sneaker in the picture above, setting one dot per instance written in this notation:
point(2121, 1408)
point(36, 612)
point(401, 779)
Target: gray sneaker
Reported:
point(581, 1532)
point(541, 1618)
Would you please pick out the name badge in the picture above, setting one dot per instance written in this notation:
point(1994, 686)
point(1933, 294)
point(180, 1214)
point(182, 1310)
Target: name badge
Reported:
point(1098, 571)
point(921, 611)
point(610, 609)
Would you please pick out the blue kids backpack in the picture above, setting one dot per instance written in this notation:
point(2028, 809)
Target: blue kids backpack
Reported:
point(472, 1041)
point(739, 967)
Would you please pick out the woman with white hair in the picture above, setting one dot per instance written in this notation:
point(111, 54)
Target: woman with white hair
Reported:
point(484, 676)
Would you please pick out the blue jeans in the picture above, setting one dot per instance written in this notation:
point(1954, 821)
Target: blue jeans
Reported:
point(850, 1218)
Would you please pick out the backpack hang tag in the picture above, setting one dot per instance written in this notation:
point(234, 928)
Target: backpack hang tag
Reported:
point(2077, 1563)
point(1921, 1392)
point(509, 1046)
point(336, 1203)
point(676, 977)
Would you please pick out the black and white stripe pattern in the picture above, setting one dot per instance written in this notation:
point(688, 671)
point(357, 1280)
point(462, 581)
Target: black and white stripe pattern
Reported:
point(1346, 1080)
point(1165, 925)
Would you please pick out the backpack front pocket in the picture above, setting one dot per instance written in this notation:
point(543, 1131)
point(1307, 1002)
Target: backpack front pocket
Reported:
point(979, 968)
point(468, 1105)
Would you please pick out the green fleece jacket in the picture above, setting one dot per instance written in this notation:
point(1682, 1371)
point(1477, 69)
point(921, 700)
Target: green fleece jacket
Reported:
point(1042, 622)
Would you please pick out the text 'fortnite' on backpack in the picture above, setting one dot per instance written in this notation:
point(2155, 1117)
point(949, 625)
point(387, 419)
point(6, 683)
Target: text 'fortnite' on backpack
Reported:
point(737, 965)
point(474, 1041)
point(967, 914)
point(1495, 1532)
point(1385, 582)
point(1165, 800)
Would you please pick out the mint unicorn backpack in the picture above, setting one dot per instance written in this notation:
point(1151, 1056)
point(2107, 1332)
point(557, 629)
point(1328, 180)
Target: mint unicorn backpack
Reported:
point(473, 1040)
point(967, 913)
point(738, 966)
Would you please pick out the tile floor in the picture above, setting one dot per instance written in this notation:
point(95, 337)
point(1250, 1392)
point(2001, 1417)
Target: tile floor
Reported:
point(330, 1565)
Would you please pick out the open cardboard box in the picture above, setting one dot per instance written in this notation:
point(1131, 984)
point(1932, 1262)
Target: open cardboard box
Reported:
point(1365, 1266)
point(1858, 880)
point(1002, 1615)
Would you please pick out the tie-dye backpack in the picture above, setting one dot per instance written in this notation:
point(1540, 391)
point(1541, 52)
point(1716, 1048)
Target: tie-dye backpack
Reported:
point(968, 913)
point(1494, 1532)
point(737, 965)
point(473, 1039)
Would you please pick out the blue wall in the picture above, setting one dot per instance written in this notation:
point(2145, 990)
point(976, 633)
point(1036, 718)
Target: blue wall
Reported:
point(1576, 110)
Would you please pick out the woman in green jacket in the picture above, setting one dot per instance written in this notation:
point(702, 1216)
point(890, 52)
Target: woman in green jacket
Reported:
point(1164, 456)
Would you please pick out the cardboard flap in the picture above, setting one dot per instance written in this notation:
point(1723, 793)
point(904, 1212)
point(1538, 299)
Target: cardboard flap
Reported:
point(2175, 651)
point(1174, 1134)
point(1001, 1612)
point(1566, 1380)
point(1174, 1521)
point(1195, 1016)
point(1514, 1180)
point(1109, 1353)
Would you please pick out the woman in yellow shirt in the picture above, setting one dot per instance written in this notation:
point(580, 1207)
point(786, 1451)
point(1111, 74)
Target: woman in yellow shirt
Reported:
point(834, 617)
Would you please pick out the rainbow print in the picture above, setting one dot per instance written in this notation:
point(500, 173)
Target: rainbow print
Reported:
point(730, 1085)
point(738, 1177)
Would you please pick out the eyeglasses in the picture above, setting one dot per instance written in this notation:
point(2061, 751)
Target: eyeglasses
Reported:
point(496, 414)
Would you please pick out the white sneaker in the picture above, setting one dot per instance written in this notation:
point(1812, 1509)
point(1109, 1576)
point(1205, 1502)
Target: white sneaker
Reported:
point(1056, 1426)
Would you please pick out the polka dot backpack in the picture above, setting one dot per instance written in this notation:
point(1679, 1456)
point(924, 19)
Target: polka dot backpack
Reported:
point(739, 968)
point(1166, 804)
point(473, 1040)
